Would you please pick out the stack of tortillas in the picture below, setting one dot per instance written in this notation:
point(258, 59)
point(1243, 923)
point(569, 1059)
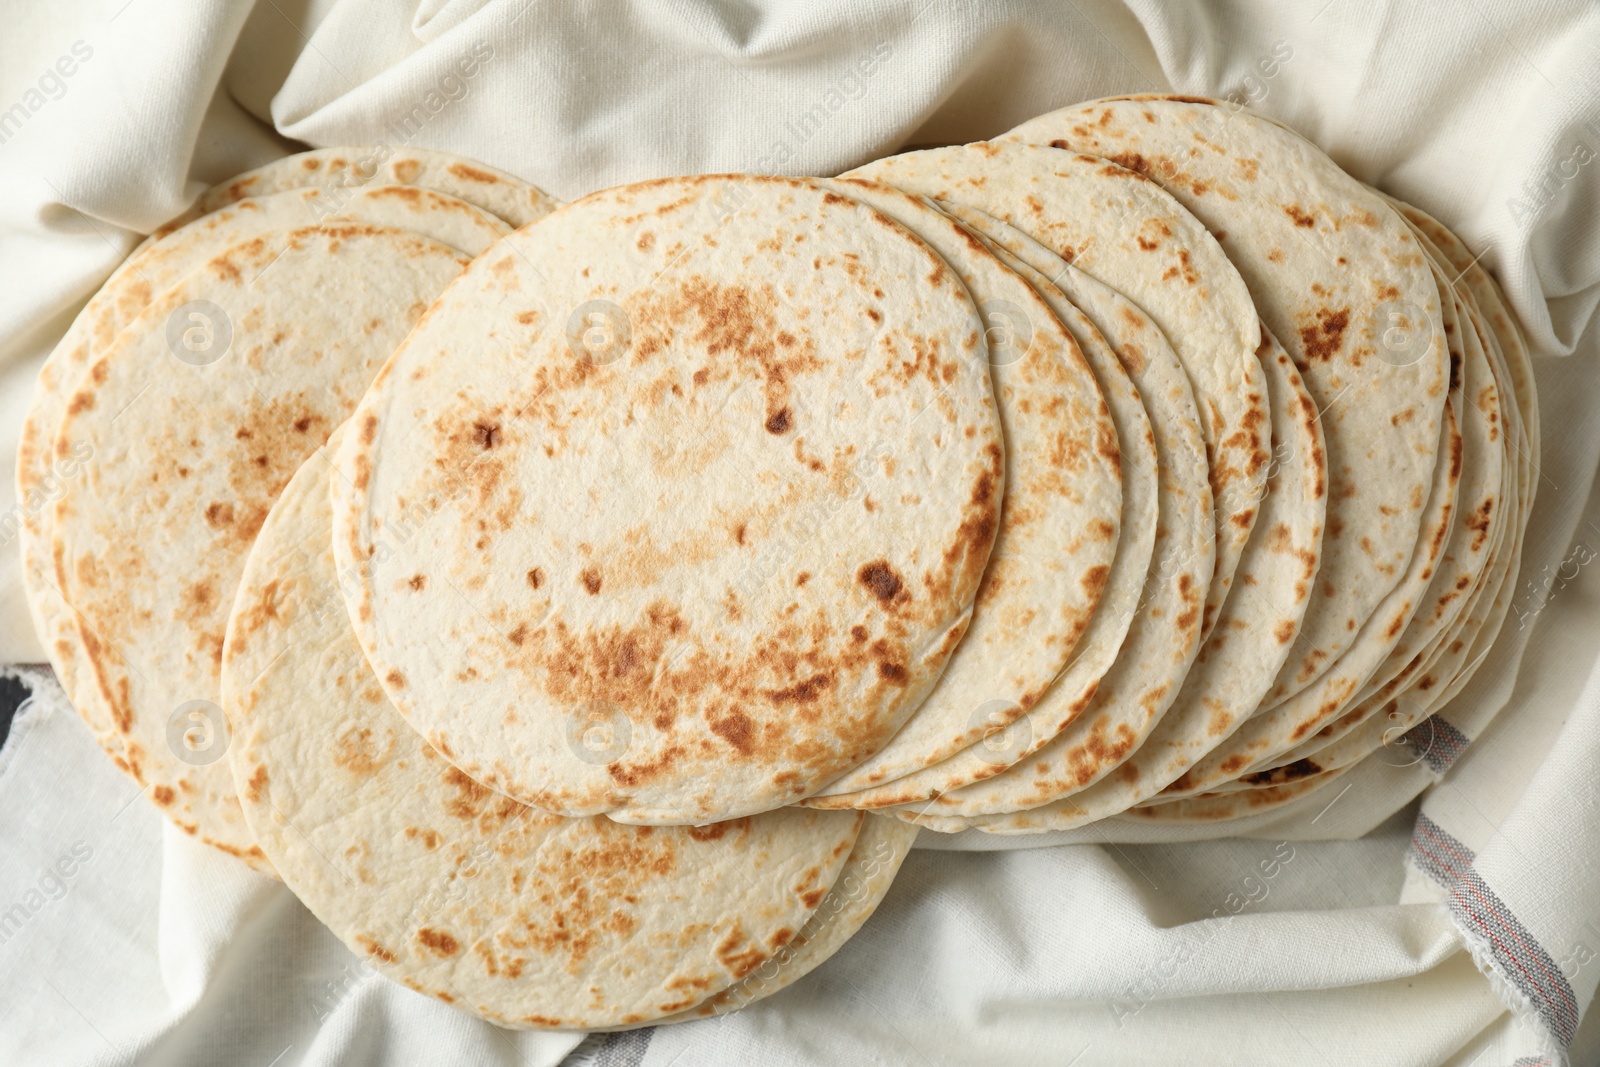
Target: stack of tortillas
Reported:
point(549, 606)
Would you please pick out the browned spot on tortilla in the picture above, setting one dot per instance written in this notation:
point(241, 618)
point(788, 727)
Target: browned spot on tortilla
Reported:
point(256, 785)
point(219, 514)
point(1094, 580)
point(1478, 522)
point(1323, 337)
point(162, 795)
point(880, 579)
point(1191, 599)
point(590, 577)
point(736, 729)
point(802, 692)
point(739, 962)
point(431, 839)
point(469, 798)
point(1299, 215)
point(375, 949)
point(778, 422)
point(1395, 626)
point(395, 679)
point(1128, 160)
point(536, 577)
point(472, 174)
point(418, 582)
point(438, 942)
point(357, 752)
point(198, 602)
point(487, 435)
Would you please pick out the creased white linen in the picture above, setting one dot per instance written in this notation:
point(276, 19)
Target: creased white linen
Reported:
point(1113, 951)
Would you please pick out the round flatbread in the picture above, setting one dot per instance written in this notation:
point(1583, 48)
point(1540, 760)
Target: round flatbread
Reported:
point(1478, 525)
point(154, 268)
point(1058, 524)
point(193, 421)
point(1164, 637)
point(675, 507)
point(1494, 436)
point(1240, 658)
point(1339, 279)
point(524, 918)
point(1073, 692)
point(346, 169)
point(1280, 728)
point(1125, 232)
point(1225, 807)
point(861, 886)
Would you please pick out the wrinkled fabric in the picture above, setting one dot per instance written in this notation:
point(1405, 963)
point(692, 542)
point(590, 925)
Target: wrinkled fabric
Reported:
point(1428, 914)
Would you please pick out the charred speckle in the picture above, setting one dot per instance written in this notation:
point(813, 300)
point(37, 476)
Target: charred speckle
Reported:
point(880, 579)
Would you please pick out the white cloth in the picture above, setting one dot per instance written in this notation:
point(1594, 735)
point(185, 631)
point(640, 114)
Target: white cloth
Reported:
point(1467, 933)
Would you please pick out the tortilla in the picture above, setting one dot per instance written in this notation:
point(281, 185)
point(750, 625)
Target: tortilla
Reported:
point(1478, 527)
point(1164, 636)
point(1224, 807)
point(1131, 236)
point(1435, 675)
point(193, 420)
point(1511, 360)
point(347, 169)
point(1338, 278)
point(1061, 509)
point(874, 861)
point(158, 265)
point(1512, 346)
point(523, 918)
point(1241, 657)
point(1108, 632)
point(739, 533)
point(1278, 729)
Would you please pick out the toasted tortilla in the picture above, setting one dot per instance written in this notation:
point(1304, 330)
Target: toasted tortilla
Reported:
point(189, 447)
point(1278, 729)
point(861, 886)
point(1339, 279)
point(1074, 691)
point(1128, 234)
point(350, 168)
point(1062, 508)
point(1496, 436)
point(1467, 576)
point(739, 536)
point(154, 268)
point(1164, 637)
point(1240, 660)
point(523, 918)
